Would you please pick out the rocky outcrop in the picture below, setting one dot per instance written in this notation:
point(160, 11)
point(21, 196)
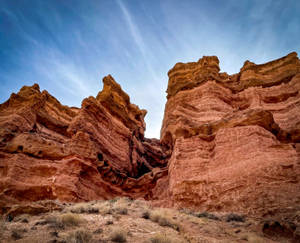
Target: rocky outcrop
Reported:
point(234, 138)
point(51, 151)
point(228, 142)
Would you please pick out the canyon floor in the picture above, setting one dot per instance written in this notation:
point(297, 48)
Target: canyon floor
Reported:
point(126, 220)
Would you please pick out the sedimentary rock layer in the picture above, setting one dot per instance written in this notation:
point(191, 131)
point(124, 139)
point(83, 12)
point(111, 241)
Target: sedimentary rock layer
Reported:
point(228, 142)
point(98, 151)
point(234, 138)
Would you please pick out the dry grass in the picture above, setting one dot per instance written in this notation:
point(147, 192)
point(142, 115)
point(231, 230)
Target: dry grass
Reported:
point(121, 220)
point(22, 218)
point(163, 219)
point(142, 203)
point(121, 210)
point(89, 208)
point(121, 205)
point(2, 226)
point(199, 214)
point(106, 209)
point(160, 238)
point(253, 238)
point(79, 236)
point(118, 235)
point(60, 221)
point(17, 234)
point(70, 219)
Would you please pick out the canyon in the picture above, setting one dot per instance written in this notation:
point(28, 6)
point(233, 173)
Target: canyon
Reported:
point(229, 143)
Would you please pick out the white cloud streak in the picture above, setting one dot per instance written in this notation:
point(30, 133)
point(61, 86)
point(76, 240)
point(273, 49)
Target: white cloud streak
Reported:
point(134, 30)
point(68, 49)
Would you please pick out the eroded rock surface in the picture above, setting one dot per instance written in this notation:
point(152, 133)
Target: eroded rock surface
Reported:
point(234, 138)
point(51, 151)
point(228, 142)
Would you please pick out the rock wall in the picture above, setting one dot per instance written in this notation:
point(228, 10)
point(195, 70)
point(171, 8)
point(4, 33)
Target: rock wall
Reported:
point(51, 151)
point(228, 142)
point(234, 138)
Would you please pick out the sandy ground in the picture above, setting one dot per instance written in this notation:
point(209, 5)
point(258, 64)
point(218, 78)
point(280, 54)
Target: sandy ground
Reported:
point(124, 220)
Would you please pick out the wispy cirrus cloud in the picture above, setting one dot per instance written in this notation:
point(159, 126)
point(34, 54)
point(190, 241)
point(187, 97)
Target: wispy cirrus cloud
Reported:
point(136, 35)
point(68, 46)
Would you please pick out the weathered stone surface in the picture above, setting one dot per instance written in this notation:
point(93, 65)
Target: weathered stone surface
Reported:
point(51, 151)
point(234, 138)
point(228, 142)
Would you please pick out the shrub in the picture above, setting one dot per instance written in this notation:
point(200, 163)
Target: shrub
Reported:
point(25, 221)
point(9, 218)
point(121, 210)
point(186, 211)
point(70, 219)
point(146, 215)
point(114, 200)
point(54, 233)
point(109, 222)
point(91, 209)
point(163, 220)
point(53, 221)
point(155, 216)
point(2, 226)
point(22, 218)
point(16, 234)
point(160, 238)
point(206, 215)
point(98, 231)
point(121, 206)
point(105, 209)
point(235, 217)
point(79, 236)
point(84, 208)
point(118, 235)
point(117, 217)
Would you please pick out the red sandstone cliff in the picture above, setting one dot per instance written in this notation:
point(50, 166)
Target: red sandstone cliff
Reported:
point(234, 138)
point(228, 142)
point(51, 151)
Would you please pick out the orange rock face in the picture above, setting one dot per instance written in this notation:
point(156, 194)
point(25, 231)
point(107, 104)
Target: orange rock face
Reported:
point(234, 138)
point(228, 142)
point(51, 151)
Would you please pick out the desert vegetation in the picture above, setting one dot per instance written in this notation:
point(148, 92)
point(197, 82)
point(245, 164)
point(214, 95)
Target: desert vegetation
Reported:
point(126, 220)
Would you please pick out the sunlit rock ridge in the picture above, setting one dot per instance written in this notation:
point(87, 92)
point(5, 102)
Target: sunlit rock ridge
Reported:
point(228, 142)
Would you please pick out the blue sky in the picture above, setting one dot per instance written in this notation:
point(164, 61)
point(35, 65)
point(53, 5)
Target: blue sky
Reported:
point(68, 46)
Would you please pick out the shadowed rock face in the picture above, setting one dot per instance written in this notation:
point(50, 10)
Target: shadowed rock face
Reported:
point(228, 142)
point(51, 151)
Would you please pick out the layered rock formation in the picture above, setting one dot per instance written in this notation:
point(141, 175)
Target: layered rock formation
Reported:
point(234, 138)
point(51, 151)
point(228, 142)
